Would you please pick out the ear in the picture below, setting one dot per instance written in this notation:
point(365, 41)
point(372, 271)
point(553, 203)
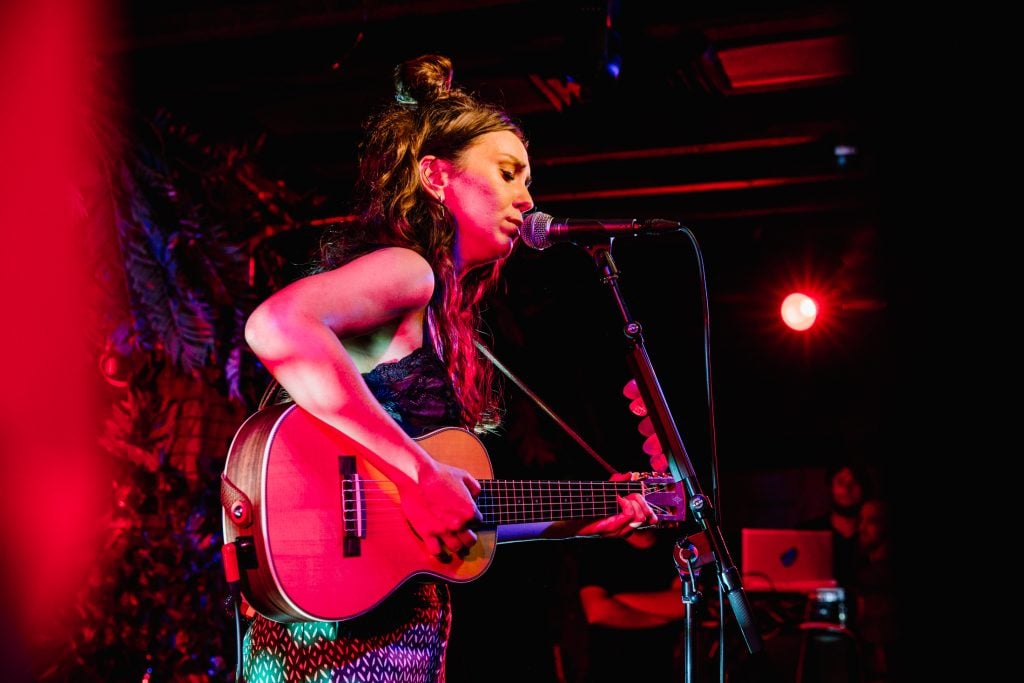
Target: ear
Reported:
point(434, 175)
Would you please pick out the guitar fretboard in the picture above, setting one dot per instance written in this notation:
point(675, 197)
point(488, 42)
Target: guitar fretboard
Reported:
point(517, 502)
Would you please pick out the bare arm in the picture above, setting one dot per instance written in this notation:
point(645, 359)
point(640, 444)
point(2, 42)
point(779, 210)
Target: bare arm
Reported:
point(635, 512)
point(297, 334)
point(666, 603)
point(631, 609)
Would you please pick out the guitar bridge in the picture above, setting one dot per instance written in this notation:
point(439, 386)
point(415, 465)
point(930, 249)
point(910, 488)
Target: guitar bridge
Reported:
point(353, 507)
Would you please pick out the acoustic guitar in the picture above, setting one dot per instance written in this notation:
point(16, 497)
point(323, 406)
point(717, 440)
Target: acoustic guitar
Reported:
point(320, 531)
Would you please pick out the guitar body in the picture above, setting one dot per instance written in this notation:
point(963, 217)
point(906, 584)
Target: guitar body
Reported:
point(328, 536)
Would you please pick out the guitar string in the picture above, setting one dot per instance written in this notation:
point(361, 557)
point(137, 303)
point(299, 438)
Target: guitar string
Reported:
point(394, 518)
point(538, 504)
point(566, 514)
point(502, 495)
point(491, 499)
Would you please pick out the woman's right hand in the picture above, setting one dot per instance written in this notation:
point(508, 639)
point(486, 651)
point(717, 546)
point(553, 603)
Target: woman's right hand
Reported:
point(441, 509)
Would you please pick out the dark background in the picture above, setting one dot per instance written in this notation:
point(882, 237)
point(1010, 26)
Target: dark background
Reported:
point(729, 117)
point(781, 136)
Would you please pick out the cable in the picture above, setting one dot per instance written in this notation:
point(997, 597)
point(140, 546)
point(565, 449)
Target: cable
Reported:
point(229, 555)
point(536, 399)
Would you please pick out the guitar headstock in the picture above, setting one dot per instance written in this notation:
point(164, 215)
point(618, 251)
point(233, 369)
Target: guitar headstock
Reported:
point(665, 495)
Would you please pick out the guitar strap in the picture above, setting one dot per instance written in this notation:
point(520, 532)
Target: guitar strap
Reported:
point(536, 399)
point(235, 502)
point(272, 394)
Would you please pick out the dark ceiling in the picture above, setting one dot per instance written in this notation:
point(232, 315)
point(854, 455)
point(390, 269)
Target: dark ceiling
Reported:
point(717, 112)
point(750, 124)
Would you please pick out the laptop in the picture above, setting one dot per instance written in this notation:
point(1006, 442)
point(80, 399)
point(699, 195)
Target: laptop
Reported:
point(789, 560)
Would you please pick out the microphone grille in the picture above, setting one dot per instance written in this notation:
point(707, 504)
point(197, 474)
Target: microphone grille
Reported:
point(534, 230)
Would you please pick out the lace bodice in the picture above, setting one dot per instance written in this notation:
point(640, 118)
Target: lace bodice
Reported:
point(416, 391)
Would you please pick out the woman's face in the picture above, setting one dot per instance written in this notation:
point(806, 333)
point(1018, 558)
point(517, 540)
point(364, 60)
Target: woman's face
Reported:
point(846, 489)
point(487, 195)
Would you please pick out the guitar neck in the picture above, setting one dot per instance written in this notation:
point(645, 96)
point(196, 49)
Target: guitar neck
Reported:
point(518, 502)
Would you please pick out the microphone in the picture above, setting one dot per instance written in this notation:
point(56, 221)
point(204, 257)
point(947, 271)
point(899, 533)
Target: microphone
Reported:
point(541, 230)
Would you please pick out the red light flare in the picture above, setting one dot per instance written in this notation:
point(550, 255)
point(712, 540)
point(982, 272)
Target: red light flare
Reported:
point(799, 311)
point(55, 484)
point(826, 331)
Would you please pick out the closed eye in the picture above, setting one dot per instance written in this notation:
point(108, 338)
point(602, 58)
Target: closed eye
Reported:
point(510, 177)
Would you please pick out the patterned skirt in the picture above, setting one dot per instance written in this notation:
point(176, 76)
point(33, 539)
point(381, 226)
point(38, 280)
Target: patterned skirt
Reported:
point(403, 640)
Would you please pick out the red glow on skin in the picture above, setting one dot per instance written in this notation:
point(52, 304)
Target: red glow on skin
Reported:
point(53, 476)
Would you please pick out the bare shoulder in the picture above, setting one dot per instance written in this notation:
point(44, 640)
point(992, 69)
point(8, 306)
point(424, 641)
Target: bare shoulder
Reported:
point(393, 271)
point(401, 259)
point(379, 286)
point(361, 295)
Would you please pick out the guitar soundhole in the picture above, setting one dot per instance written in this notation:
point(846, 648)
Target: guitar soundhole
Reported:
point(353, 507)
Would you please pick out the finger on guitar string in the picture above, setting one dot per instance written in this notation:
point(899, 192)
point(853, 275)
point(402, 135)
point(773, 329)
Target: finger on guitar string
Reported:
point(468, 538)
point(453, 543)
point(619, 524)
point(639, 510)
point(432, 545)
point(457, 523)
point(632, 509)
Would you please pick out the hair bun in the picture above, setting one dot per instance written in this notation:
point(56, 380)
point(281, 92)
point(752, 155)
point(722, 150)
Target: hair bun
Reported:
point(423, 79)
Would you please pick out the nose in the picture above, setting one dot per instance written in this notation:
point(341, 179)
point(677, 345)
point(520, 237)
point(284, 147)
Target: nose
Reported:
point(524, 202)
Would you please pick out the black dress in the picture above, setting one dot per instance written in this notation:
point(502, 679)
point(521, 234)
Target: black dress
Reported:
point(404, 639)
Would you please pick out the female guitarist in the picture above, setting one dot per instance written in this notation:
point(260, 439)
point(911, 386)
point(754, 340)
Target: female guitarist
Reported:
point(379, 346)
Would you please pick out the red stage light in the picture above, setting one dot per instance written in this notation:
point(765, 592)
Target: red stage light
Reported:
point(799, 311)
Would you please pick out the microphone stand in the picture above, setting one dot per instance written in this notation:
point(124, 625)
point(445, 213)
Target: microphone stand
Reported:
point(680, 465)
point(686, 557)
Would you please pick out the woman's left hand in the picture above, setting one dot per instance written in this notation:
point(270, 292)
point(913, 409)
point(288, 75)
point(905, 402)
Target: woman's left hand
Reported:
point(635, 514)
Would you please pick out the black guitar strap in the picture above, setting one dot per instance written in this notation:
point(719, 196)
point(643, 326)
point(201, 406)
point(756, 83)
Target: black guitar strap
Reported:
point(536, 399)
point(274, 393)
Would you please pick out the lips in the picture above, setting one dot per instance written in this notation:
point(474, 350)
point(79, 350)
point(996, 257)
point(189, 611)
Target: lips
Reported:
point(517, 224)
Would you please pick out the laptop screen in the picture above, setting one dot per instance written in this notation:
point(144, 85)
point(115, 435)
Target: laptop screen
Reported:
point(786, 559)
